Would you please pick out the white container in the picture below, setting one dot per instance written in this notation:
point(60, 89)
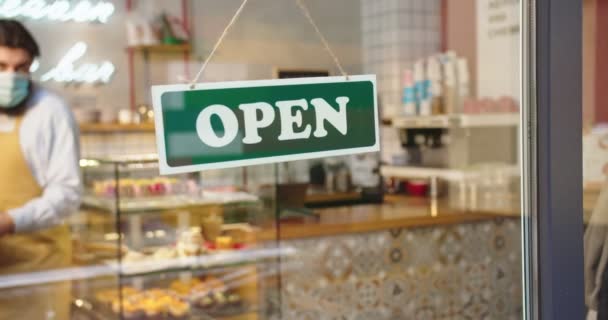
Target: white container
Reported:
point(449, 84)
point(434, 81)
point(464, 85)
point(125, 116)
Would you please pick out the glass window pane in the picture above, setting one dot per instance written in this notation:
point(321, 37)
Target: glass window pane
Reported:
point(428, 227)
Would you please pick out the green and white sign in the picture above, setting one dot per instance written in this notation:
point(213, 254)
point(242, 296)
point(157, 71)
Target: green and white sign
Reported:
point(231, 124)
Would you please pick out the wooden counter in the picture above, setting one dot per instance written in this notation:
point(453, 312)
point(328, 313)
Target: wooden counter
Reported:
point(395, 212)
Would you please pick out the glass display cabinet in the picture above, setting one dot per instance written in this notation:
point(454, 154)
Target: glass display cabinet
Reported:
point(174, 247)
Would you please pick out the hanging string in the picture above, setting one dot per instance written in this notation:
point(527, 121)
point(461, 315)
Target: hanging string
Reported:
point(312, 22)
point(308, 16)
point(217, 44)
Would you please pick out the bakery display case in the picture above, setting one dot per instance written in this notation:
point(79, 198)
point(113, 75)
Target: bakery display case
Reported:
point(172, 247)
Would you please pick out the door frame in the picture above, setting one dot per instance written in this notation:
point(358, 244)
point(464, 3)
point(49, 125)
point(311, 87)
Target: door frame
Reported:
point(552, 159)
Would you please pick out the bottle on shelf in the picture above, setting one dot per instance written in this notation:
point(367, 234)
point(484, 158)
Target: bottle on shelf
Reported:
point(422, 89)
point(409, 94)
point(450, 83)
point(464, 86)
point(434, 81)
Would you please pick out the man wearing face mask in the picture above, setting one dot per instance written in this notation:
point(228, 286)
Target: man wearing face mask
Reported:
point(40, 180)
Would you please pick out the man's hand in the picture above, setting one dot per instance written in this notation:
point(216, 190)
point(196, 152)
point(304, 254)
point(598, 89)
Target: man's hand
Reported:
point(7, 226)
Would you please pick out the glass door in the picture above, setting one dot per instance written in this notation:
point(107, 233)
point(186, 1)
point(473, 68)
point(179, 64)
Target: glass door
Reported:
point(470, 210)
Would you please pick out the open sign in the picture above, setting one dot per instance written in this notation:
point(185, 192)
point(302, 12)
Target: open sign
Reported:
point(230, 124)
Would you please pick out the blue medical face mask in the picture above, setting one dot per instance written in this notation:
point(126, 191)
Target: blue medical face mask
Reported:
point(14, 88)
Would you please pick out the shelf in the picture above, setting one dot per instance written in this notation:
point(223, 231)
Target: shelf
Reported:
point(162, 203)
point(456, 121)
point(227, 259)
point(405, 172)
point(421, 173)
point(210, 261)
point(116, 128)
point(421, 122)
point(162, 48)
point(87, 310)
point(486, 120)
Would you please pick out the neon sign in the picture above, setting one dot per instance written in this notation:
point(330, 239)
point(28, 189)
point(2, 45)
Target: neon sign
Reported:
point(60, 10)
point(66, 71)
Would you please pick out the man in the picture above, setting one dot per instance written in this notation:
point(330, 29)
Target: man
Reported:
point(39, 180)
point(596, 259)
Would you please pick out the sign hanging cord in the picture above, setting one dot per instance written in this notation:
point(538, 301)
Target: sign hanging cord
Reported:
point(308, 16)
point(217, 44)
point(238, 12)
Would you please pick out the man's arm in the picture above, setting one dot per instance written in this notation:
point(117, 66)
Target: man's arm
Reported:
point(7, 226)
point(54, 156)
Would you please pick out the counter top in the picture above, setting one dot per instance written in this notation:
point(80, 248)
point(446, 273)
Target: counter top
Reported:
point(395, 212)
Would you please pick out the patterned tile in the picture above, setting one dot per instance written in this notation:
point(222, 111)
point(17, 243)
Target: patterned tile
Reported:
point(477, 308)
point(468, 271)
point(337, 262)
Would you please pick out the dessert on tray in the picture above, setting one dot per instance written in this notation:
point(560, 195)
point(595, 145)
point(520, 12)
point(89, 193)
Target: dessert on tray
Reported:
point(179, 301)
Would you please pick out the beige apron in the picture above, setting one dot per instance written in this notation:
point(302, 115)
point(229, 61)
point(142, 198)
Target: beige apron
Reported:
point(29, 252)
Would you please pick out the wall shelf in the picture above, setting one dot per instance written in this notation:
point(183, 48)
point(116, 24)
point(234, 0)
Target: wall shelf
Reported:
point(162, 48)
point(88, 128)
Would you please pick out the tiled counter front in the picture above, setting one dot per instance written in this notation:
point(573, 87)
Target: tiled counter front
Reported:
point(461, 271)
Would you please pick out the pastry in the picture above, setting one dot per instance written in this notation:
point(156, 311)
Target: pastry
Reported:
point(180, 288)
point(165, 301)
point(116, 305)
point(234, 300)
point(130, 311)
point(164, 254)
point(201, 290)
point(185, 288)
point(135, 188)
point(212, 226)
point(155, 293)
point(158, 187)
point(223, 243)
point(190, 243)
point(133, 256)
point(153, 313)
point(179, 310)
point(205, 303)
point(220, 299)
point(152, 309)
point(215, 284)
point(126, 188)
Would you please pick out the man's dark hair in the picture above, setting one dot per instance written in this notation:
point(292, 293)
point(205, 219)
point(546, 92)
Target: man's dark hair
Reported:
point(14, 35)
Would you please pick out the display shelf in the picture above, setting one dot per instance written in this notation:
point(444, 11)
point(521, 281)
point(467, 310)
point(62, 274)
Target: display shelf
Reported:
point(211, 261)
point(162, 48)
point(456, 121)
point(215, 261)
point(88, 310)
point(163, 203)
point(115, 128)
